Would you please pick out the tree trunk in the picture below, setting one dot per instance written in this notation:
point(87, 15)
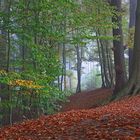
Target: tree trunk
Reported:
point(70, 81)
point(101, 62)
point(5, 59)
point(104, 58)
point(120, 73)
point(79, 63)
point(133, 85)
point(103, 51)
point(63, 77)
point(109, 62)
point(133, 4)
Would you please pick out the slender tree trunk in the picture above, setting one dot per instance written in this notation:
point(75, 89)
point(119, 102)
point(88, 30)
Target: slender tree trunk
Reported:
point(9, 97)
point(5, 61)
point(70, 84)
point(105, 62)
point(79, 63)
point(103, 50)
point(109, 64)
point(63, 77)
point(64, 55)
point(101, 62)
point(64, 63)
point(58, 78)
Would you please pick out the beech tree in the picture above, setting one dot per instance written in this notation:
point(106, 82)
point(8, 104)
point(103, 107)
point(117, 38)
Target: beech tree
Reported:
point(120, 77)
point(132, 10)
point(36, 38)
point(133, 85)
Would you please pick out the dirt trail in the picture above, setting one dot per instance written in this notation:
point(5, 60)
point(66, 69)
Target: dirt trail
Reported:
point(87, 99)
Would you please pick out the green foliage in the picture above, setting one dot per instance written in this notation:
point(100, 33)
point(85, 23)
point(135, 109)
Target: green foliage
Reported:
point(131, 37)
point(37, 29)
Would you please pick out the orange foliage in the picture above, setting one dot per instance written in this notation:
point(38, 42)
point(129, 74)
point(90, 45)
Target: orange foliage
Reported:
point(25, 83)
point(119, 121)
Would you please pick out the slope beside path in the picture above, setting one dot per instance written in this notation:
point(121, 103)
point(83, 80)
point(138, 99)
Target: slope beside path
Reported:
point(87, 99)
point(118, 120)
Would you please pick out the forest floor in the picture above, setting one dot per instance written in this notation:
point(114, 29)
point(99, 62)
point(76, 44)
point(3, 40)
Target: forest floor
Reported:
point(87, 99)
point(119, 120)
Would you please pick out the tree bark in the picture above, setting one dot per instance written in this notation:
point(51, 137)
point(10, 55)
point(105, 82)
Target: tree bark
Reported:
point(118, 49)
point(133, 85)
point(4, 59)
point(132, 8)
point(79, 63)
point(101, 62)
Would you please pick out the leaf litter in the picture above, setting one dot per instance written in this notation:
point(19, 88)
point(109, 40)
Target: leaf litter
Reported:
point(119, 120)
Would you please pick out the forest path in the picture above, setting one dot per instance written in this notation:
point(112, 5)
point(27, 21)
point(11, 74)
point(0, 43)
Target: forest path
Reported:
point(86, 99)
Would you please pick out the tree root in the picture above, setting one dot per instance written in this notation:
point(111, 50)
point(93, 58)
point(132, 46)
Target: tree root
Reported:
point(130, 89)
